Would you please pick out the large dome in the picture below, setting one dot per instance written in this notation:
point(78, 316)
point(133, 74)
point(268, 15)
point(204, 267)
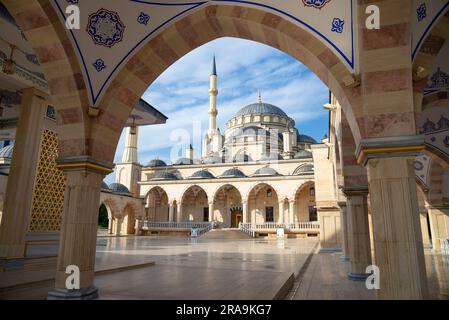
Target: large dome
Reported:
point(264, 108)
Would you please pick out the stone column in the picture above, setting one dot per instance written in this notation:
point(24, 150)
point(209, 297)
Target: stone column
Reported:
point(79, 230)
point(211, 211)
point(330, 229)
point(245, 211)
point(19, 190)
point(344, 231)
point(291, 211)
point(110, 225)
point(171, 211)
point(281, 212)
point(358, 232)
point(179, 212)
point(423, 217)
point(398, 247)
point(118, 227)
point(439, 225)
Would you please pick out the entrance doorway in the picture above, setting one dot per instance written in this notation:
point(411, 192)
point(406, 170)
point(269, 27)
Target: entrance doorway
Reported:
point(206, 214)
point(236, 217)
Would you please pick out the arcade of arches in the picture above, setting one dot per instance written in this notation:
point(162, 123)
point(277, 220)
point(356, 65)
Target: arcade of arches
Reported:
point(388, 137)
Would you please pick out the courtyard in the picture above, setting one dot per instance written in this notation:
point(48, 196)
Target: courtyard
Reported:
point(182, 268)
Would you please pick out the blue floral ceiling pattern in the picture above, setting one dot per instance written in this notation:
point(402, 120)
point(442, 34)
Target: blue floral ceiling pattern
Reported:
point(435, 127)
point(113, 30)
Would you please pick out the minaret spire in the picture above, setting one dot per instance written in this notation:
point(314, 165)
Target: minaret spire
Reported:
point(130, 152)
point(214, 67)
point(213, 93)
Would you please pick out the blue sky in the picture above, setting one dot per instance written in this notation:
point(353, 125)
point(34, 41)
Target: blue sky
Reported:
point(244, 67)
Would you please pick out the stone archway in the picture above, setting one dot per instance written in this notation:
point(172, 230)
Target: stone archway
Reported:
point(194, 205)
point(305, 205)
point(226, 206)
point(157, 205)
point(264, 205)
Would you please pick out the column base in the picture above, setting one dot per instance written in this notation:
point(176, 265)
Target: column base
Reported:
point(344, 258)
point(11, 264)
point(90, 293)
point(330, 250)
point(358, 276)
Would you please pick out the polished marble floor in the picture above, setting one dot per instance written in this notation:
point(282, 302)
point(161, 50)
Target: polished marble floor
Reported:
point(215, 269)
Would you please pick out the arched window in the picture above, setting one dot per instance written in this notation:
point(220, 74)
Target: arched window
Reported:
point(312, 192)
point(269, 193)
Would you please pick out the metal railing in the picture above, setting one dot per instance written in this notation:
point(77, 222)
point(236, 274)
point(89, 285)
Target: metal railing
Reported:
point(252, 229)
point(246, 228)
point(203, 227)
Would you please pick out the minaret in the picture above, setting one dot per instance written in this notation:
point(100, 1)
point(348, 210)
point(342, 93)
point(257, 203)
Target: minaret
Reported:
point(130, 152)
point(213, 93)
point(128, 172)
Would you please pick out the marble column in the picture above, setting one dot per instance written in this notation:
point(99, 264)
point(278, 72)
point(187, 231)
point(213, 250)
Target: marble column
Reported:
point(425, 229)
point(19, 190)
point(118, 227)
point(330, 229)
point(398, 246)
point(171, 211)
point(79, 233)
point(358, 232)
point(110, 225)
point(245, 211)
point(344, 231)
point(179, 212)
point(281, 212)
point(291, 212)
point(439, 225)
point(211, 211)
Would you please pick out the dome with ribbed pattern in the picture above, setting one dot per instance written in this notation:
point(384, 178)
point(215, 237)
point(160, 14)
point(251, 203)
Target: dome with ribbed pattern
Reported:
point(261, 108)
point(118, 187)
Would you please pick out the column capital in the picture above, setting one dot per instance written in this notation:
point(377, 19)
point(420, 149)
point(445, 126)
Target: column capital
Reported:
point(342, 203)
point(84, 163)
point(355, 191)
point(386, 147)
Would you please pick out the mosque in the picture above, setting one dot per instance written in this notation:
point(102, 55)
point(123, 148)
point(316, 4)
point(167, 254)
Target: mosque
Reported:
point(259, 173)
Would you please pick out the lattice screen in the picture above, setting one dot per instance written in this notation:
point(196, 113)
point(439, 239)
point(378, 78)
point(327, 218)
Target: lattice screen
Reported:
point(48, 196)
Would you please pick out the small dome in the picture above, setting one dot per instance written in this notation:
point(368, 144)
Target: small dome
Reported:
point(104, 186)
point(164, 176)
point(7, 152)
point(307, 169)
point(186, 162)
point(118, 187)
point(156, 163)
point(302, 138)
point(303, 154)
point(212, 160)
point(203, 174)
point(266, 171)
point(242, 158)
point(272, 157)
point(233, 173)
point(261, 108)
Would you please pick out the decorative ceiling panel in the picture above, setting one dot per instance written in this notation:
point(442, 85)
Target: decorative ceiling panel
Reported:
point(425, 14)
point(112, 30)
point(435, 127)
point(439, 77)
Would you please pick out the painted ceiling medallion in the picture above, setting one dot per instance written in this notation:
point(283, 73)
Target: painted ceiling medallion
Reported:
point(318, 4)
point(105, 27)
